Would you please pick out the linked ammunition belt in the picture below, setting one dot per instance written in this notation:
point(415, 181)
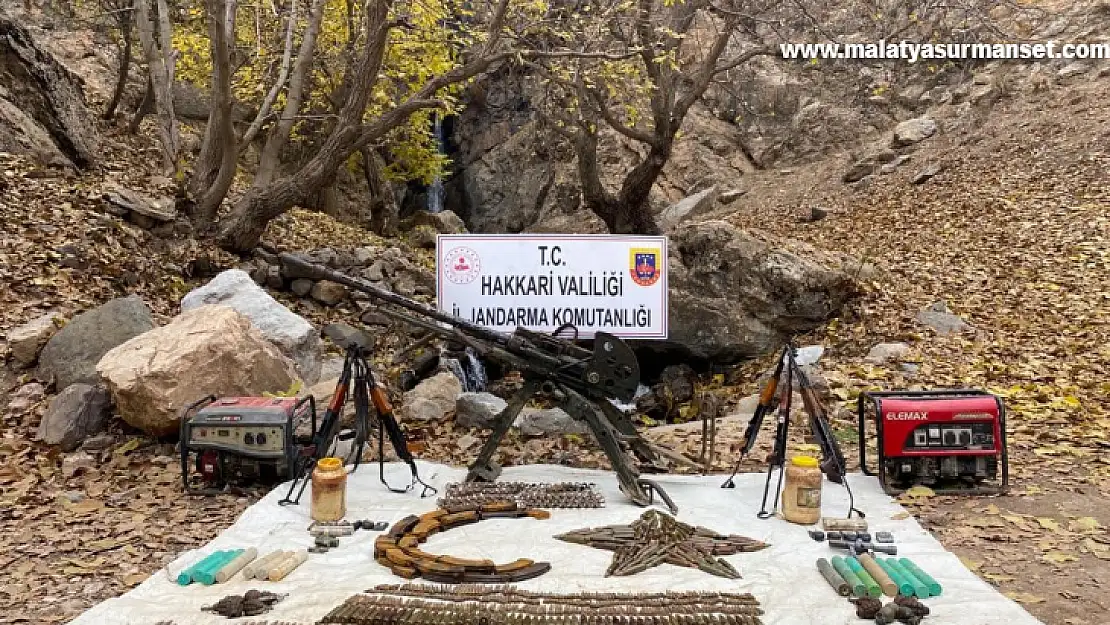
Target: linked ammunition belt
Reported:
point(525, 494)
point(252, 603)
point(656, 538)
point(418, 604)
point(398, 549)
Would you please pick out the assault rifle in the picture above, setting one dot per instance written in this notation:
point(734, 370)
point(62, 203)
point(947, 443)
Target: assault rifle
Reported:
point(580, 380)
point(832, 458)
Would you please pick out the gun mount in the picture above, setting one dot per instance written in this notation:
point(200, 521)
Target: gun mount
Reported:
point(581, 380)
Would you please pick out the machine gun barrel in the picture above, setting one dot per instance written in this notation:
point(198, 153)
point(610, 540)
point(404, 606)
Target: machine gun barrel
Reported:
point(319, 272)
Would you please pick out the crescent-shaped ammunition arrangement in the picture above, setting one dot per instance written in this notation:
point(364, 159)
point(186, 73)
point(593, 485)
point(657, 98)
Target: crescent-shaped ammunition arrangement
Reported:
point(656, 538)
point(420, 604)
point(524, 494)
point(398, 550)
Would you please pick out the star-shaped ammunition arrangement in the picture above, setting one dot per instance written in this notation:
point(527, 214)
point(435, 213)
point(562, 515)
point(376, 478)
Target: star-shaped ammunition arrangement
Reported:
point(657, 538)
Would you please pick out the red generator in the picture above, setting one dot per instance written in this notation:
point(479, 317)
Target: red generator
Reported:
point(953, 441)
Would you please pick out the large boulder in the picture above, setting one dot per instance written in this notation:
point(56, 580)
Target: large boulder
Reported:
point(42, 104)
point(78, 412)
point(734, 295)
point(292, 334)
point(432, 399)
point(70, 356)
point(211, 350)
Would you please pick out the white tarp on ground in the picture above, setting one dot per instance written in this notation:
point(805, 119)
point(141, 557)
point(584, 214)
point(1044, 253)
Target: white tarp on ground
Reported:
point(782, 577)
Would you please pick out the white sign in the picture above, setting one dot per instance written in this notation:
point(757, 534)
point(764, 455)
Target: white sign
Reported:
point(596, 283)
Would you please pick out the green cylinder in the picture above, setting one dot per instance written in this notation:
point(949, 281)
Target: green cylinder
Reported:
point(207, 574)
point(873, 589)
point(858, 589)
point(184, 578)
point(922, 576)
point(904, 587)
point(919, 589)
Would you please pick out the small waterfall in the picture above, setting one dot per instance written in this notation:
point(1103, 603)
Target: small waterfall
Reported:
point(477, 370)
point(470, 371)
point(436, 192)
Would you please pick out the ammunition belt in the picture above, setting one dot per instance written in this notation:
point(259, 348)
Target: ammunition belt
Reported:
point(656, 538)
point(398, 549)
point(524, 494)
point(415, 604)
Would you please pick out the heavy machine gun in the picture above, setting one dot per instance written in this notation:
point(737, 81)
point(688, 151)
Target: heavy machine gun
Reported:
point(582, 381)
point(772, 397)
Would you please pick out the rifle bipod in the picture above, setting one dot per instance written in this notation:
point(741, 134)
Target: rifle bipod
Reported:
point(610, 428)
point(357, 381)
point(832, 463)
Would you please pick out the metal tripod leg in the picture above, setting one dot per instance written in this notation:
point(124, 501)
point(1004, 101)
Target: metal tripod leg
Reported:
point(484, 469)
point(638, 490)
point(625, 426)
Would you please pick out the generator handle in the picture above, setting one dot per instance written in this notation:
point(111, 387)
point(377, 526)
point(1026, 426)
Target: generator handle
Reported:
point(311, 401)
point(863, 430)
point(183, 440)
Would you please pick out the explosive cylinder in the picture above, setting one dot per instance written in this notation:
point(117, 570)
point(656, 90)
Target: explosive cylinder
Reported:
point(878, 574)
point(188, 576)
point(904, 587)
point(286, 566)
point(919, 589)
point(236, 565)
point(840, 525)
point(841, 567)
point(260, 567)
point(206, 574)
point(833, 578)
point(873, 589)
point(922, 576)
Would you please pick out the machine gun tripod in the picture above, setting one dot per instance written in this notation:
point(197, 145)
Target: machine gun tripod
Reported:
point(832, 458)
point(582, 381)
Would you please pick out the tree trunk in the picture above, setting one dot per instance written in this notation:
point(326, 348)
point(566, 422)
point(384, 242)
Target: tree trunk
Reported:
point(283, 76)
point(146, 107)
point(157, 49)
point(279, 135)
point(215, 168)
point(125, 27)
point(384, 212)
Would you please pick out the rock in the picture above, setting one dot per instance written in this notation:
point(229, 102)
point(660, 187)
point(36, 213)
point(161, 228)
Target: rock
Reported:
point(43, 112)
point(730, 196)
point(984, 95)
point(375, 272)
point(443, 222)
point(290, 332)
point(139, 206)
point(70, 356)
point(77, 462)
point(26, 397)
point(343, 334)
point(687, 208)
point(78, 412)
point(942, 320)
point(432, 399)
point(808, 355)
point(404, 285)
point(886, 352)
point(892, 166)
point(423, 237)
point(927, 173)
point(301, 287)
point(734, 295)
point(868, 165)
point(675, 386)
point(375, 318)
point(913, 131)
point(541, 421)
point(817, 213)
point(100, 442)
point(207, 350)
point(27, 340)
point(478, 410)
point(365, 255)
point(273, 277)
point(328, 293)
